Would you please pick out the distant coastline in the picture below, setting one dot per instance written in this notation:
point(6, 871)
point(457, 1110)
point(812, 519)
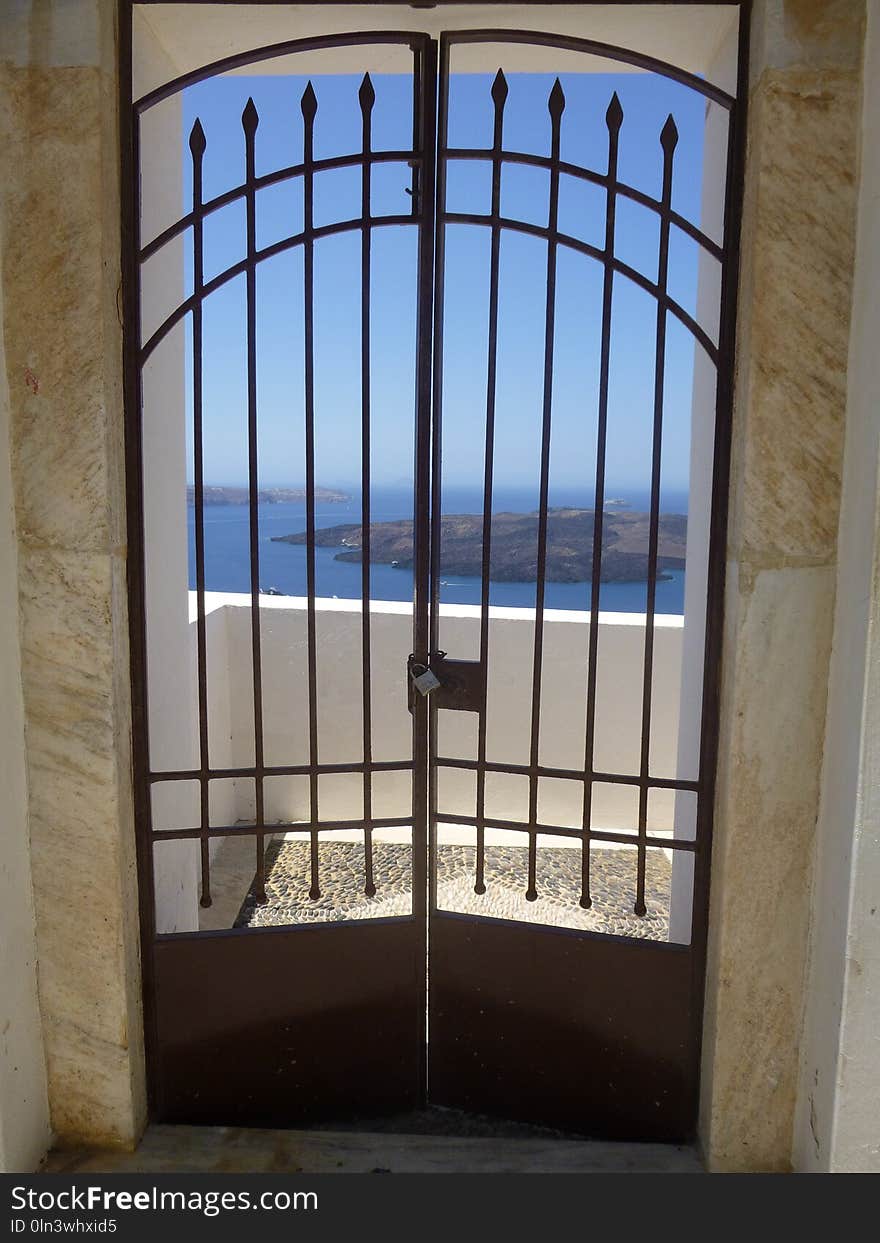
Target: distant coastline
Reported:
point(514, 547)
point(213, 495)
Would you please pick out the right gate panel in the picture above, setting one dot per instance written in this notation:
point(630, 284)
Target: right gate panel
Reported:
point(586, 255)
point(588, 1033)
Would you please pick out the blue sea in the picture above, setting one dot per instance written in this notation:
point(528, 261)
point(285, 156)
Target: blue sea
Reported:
point(283, 566)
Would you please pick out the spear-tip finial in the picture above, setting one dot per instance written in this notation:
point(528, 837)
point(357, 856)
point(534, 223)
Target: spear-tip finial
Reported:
point(366, 94)
point(499, 89)
point(614, 115)
point(197, 140)
point(669, 135)
point(250, 118)
point(556, 102)
point(309, 102)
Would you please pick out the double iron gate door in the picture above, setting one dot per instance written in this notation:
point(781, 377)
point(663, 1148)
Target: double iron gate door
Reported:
point(454, 968)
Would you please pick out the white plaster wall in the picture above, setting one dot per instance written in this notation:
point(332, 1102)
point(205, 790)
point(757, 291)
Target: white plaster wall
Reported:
point(177, 804)
point(836, 1125)
point(222, 796)
point(715, 143)
point(24, 1107)
point(170, 653)
point(685, 35)
point(285, 713)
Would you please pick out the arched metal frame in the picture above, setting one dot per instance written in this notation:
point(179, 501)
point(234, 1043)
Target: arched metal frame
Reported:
point(425, 761)
point(278, 176)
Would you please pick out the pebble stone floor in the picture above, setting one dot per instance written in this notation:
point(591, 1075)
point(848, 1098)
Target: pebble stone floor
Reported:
point(341, 872)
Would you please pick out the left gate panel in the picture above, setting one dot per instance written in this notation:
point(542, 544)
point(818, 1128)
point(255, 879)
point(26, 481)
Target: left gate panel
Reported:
point(278, 262)
point(289, 1026)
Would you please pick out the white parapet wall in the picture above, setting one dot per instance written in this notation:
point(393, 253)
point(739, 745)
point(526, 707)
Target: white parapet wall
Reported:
point(339, 711)
point(285, 717)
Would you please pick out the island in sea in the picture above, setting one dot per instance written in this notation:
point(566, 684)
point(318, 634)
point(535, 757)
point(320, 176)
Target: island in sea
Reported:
point(514, 545)
point(213, 495)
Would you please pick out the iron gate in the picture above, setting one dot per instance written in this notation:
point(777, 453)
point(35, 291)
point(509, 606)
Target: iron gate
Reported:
point(278, 1024)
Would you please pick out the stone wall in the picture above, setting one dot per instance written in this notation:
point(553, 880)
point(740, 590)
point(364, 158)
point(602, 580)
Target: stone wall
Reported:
point(795, 295)
point(24, 1108)
point(836, 1126)
point(61, 275)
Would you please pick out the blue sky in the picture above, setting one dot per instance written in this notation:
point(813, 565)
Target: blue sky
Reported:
point(646, 100)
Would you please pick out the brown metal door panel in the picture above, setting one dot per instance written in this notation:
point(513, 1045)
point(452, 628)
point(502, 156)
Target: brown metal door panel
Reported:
point(586, 1033)
point(585, 1014)
point(276, 1011)
point(287, 1027)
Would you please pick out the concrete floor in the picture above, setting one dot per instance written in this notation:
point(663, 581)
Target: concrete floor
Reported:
point(231, 1150)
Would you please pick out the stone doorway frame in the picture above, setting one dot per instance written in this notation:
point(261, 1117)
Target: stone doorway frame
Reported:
point(68, 484)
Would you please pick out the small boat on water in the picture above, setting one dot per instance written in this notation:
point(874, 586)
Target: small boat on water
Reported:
point(395, 564)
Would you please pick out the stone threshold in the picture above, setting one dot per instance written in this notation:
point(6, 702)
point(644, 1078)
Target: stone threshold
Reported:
point(236, 1150)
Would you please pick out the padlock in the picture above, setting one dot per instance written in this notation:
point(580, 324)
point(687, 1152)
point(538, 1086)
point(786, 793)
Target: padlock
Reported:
point(424, 679)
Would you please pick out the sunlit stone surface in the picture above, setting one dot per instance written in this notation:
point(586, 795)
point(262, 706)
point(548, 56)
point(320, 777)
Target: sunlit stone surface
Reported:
point(795, 293)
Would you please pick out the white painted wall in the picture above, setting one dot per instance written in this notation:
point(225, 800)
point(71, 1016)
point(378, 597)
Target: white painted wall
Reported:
point(170, 654)
point(723, 70)
point(685, 35)
point(836, 1126)
point(24, 1108)
point(285, 700)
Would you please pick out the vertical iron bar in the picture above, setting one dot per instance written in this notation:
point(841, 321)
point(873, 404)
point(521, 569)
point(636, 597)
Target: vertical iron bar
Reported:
point(415, 164)
point(613, 120)
point(197, 149)
point(250, 121)
point(499, 97)
point(668, 141)
point(309, 106)
point(130, 178)
point(556, 106)
point(438, 277)
point(424, 717)
point(423, 614)
point(367, 98)
point(433, 275)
